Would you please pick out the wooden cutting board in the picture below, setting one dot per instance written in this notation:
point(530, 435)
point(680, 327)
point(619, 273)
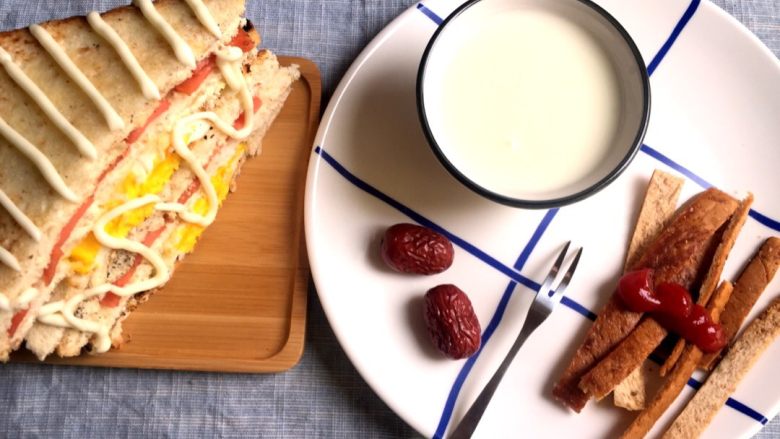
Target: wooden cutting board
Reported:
point(238, 303)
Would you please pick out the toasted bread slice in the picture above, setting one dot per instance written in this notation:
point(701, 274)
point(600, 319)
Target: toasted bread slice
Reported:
point(716, 269)
point(100, 64)
point(700, 411)
point(672, 387)
point(748, 288)
point(680, 254)
point(271, 84)
point(75, 270)
point(660, 202)
point(631, 352)
point(274, 85)
point(661, 197)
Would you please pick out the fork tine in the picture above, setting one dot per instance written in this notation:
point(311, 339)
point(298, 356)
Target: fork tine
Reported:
point(554, 270)
point(558, 293)
point(541, 308)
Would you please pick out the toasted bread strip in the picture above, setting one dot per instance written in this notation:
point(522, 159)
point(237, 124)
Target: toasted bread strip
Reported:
point(679, 376)
point(608, 329)
point(724, 249)
point(678, 255)
point(631, 393)
point(633, 350)
point(724, 380)
point(716, 269)
point(625, 358)
point(749, 286)
point(663, 192)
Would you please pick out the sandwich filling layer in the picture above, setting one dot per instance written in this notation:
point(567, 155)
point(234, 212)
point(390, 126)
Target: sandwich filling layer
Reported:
point(197, 194)
point(157, 184)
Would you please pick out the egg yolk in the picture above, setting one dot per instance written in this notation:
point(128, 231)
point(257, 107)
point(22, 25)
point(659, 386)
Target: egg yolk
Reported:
point(186, 236)
point(83, 256)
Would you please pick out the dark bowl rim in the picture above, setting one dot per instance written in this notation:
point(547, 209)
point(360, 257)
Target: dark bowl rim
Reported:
point(554, 202)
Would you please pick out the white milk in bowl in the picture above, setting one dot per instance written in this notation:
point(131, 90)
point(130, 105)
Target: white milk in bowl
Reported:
point(526, 102)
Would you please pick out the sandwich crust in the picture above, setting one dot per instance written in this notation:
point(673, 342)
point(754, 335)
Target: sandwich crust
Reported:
point(271, 84)
point(96, 59)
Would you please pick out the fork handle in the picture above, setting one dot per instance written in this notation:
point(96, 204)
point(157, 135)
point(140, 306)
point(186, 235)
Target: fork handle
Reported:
point(470, 421)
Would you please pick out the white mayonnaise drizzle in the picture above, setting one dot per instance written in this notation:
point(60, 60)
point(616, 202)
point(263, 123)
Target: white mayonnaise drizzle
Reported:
point(22, 302)
point(205, 17)
point(180, 47)
point(47, 314)
point(39, 160)
point(6, 257)
point(162, 273)
point(148, 87)
point(21, 79)
point(70, 68)
point(26, 297)
point(9, 260)
point(67, 308)
point(20, 217)
point(229, 62)
point(5, 304)
point(62, 313)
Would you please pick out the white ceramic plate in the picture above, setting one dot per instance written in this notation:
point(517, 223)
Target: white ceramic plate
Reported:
point(716, 107)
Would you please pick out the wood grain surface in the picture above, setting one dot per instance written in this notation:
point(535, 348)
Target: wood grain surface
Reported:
point(238, 303)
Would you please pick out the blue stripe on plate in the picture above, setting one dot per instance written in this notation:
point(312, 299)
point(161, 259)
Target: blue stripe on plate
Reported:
point(529, 248)
point(449, 404)
point(430, 14)
point(496, 320)
point(678, 28)
point(695, 384)
point(654, 153)
point(460, 242)
point(585, 312)
point(756, 215)
point(765, 220)
point(747, 411)
point(733, 403)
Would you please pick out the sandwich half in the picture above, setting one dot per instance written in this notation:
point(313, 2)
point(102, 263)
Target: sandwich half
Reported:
point(120, 136)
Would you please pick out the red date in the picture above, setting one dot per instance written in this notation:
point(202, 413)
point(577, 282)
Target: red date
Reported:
point(409, 248)
point(452, 325)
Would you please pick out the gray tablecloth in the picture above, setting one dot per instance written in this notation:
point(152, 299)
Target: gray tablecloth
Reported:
point(321, 397)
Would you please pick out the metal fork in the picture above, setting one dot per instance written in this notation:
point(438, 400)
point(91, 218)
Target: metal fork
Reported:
point(541, 308)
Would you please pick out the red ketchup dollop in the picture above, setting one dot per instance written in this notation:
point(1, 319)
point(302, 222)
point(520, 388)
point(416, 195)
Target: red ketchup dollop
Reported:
point(671, 305)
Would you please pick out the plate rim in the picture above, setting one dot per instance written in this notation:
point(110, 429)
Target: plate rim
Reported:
point(316, 162)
